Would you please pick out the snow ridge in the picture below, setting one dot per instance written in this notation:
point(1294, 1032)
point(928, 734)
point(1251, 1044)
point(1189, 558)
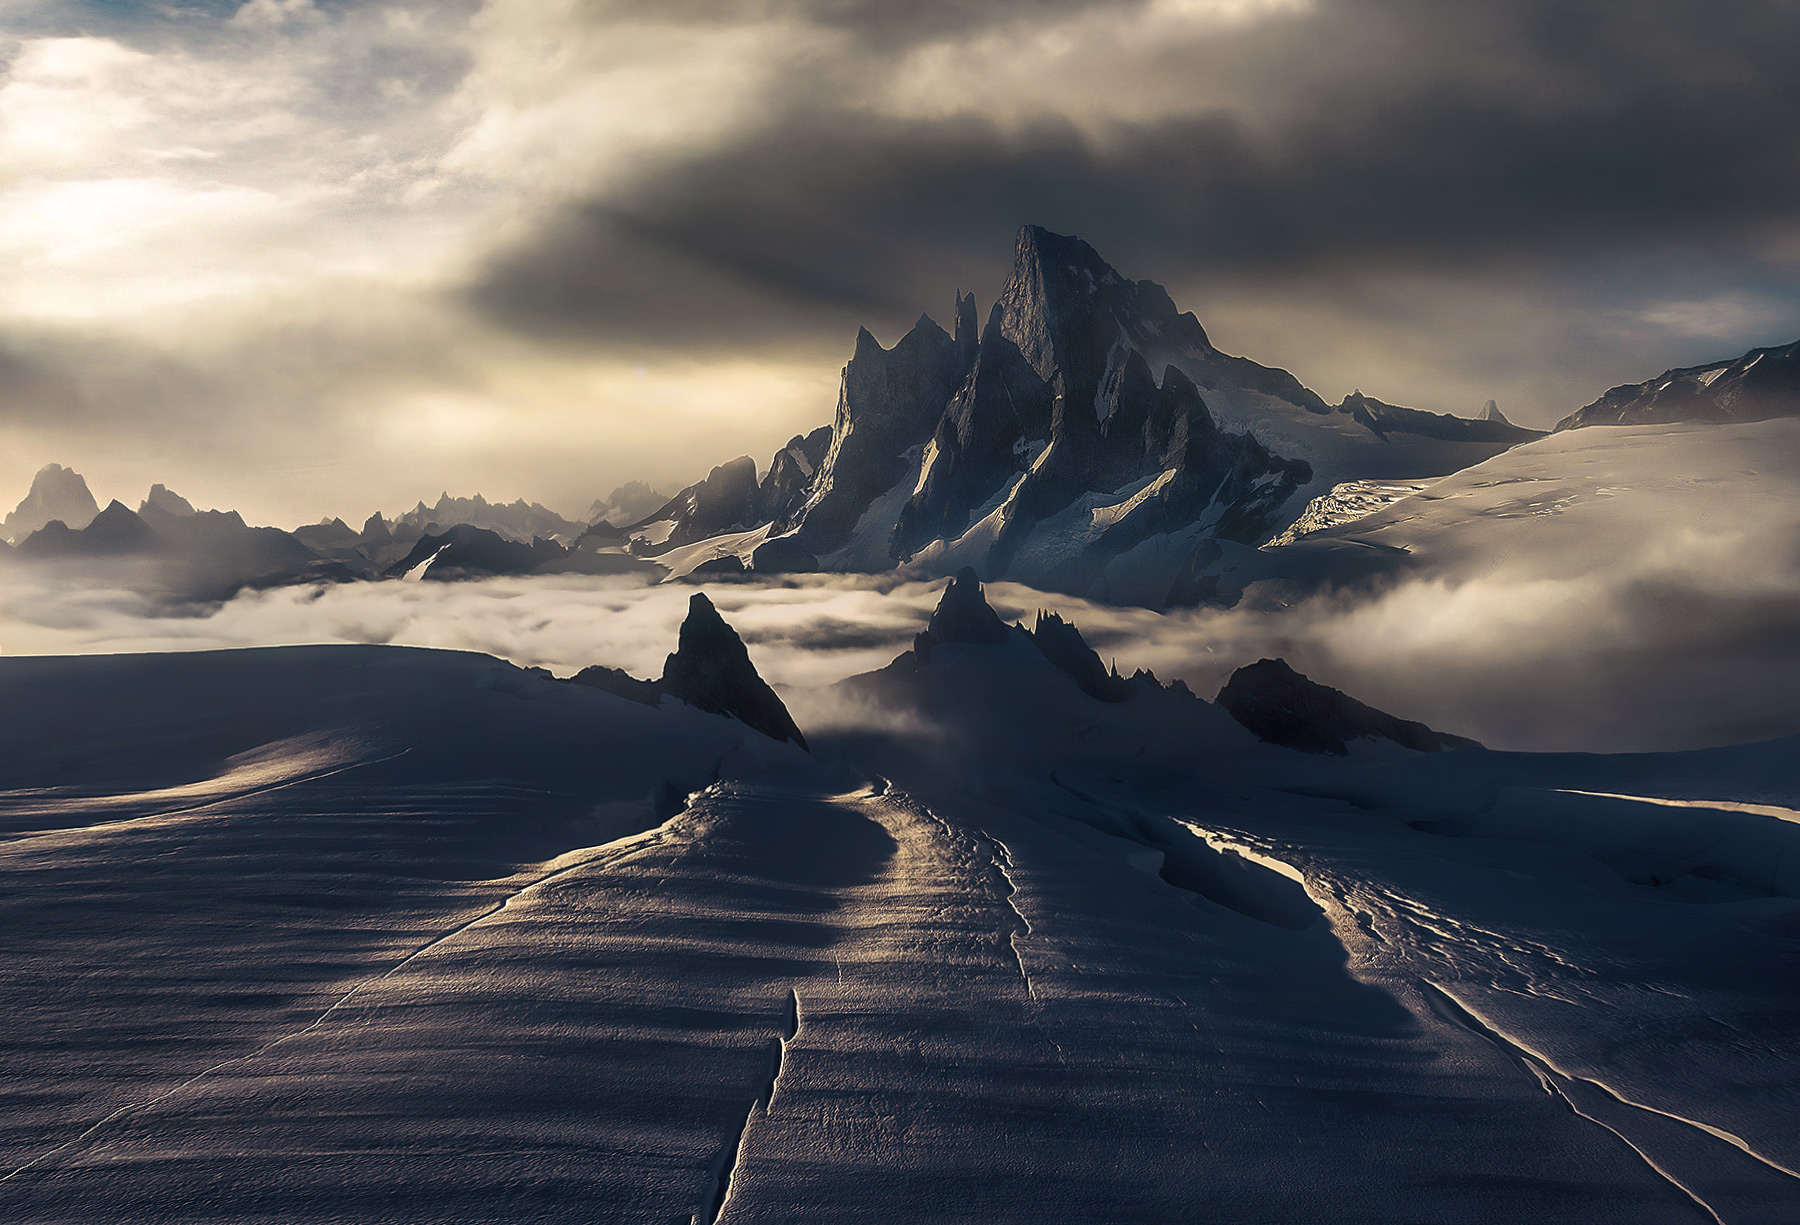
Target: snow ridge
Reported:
point(605, 856)
point(1568, 1087)
point(1003, 871)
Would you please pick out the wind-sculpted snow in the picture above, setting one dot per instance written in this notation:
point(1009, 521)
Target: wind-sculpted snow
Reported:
point(336, 933)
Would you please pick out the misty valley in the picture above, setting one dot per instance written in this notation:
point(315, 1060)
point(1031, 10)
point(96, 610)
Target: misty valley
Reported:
point(1091, 778)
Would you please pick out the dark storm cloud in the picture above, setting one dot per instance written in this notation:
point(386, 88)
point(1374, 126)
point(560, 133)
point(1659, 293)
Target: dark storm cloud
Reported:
point(1365, 134)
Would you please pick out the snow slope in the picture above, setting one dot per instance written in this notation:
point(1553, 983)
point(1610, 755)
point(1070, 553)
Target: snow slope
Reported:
point(385, 934)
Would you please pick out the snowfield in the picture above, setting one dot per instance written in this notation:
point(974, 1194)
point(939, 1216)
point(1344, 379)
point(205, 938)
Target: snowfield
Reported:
point(389, 934)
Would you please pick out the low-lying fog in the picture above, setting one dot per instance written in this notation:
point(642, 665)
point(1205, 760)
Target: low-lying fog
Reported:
point(1570, 664)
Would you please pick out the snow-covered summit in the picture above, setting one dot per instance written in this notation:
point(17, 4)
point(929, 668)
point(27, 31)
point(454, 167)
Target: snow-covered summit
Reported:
point(1089, 438)
point(1762, 384)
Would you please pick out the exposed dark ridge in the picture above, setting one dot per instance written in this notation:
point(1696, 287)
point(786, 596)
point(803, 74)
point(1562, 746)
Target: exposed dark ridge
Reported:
point(619, 683)
point(1762, 384)
point(962, 615)
point(1383, 418)
point(464, 549)
point(711, 670)
point(721, 502)
point(1063, 645)
point(1283, 707)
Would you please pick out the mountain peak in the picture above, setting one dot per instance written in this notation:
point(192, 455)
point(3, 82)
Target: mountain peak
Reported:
point(162, 498)
point(1762, 384)
point(711, 670)
point(56, 493)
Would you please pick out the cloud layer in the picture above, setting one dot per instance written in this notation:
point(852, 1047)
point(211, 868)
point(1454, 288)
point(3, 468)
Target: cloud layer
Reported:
point(1678, 652)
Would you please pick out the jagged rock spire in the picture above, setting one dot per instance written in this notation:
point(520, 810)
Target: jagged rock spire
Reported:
point(963, 615)
point(711, 669)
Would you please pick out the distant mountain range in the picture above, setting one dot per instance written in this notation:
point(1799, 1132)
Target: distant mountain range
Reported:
point(1088, 439)
point(191, 554)
point(1762, 384)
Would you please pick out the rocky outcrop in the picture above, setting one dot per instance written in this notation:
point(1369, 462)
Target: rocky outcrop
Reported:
point(962, 615)
point(711, 670)
point(619, 683)
point(58, 494)
point(888, 402)
point(1762, 384)
point(783, 555)
point(726, 501)
point(1384, 419)
point(1283, 707)
point(790, 476)
point(1063, 645)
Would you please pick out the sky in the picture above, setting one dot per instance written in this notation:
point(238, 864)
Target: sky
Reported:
point(310, 257)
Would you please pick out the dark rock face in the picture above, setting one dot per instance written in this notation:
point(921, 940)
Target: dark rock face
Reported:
point(1000, 417)
point(1064, 401)
point(1283, 707)
point(962, 615)
point(889, 402)
point(376, 533)
point(463, 551)
point(1762, 384)
point(711, 669)
point(726, 501)
point(57, 494)
point(783, 555)
point(619, 683)
point(1063, 645)
point(784, 488)
point(728, 566)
